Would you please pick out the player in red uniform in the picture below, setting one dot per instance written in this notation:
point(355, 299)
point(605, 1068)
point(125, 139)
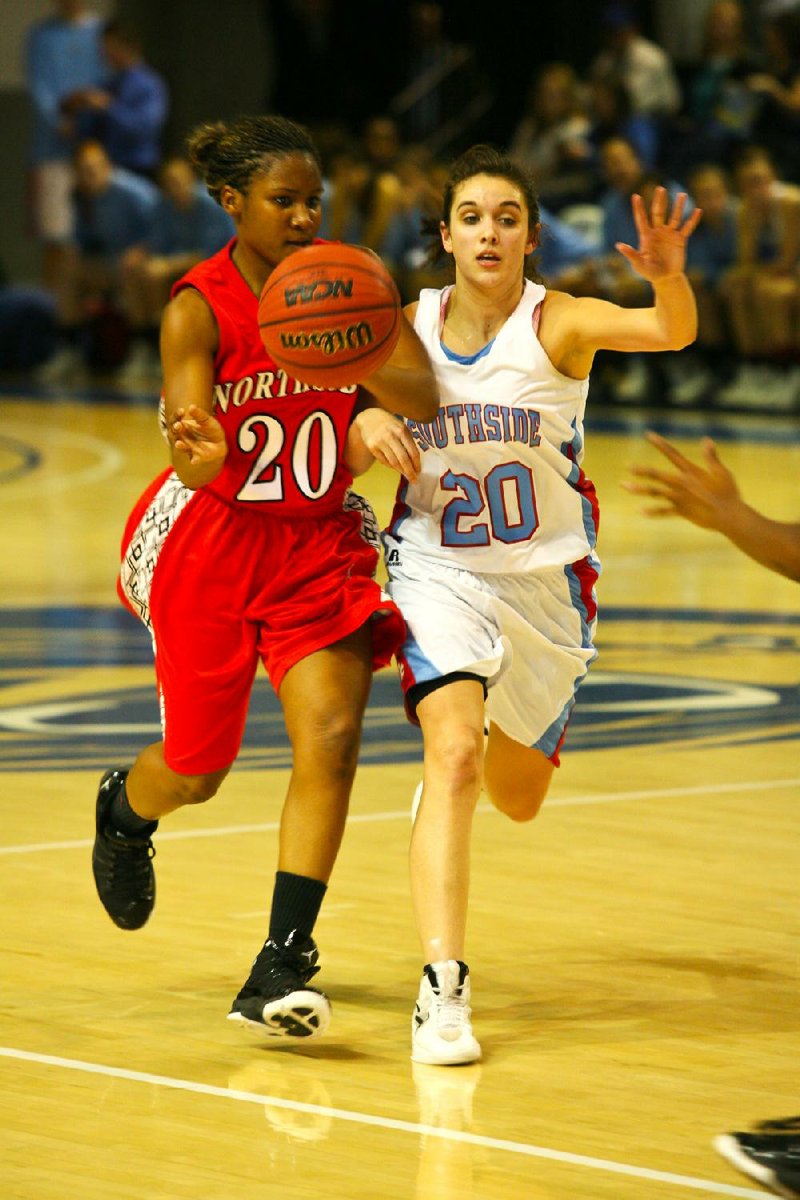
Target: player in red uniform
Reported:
point(251, 547)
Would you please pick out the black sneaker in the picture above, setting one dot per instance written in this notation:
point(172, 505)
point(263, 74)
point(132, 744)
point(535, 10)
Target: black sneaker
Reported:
point(781, 1125)
point(123, 872)
point(276, 1000)
point(773, 1159)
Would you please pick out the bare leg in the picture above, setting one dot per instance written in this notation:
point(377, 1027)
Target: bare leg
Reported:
point(154, 789)
point(323, 698)
point(517, 776)
point(736, 289)
point(776, 299)
point(452, 727)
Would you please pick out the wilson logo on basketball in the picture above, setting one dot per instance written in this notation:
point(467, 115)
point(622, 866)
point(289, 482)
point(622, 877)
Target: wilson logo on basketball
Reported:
point(329, 341)
point(321, 289)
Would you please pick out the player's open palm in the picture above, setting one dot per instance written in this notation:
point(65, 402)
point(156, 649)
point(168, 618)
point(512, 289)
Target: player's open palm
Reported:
point(706, 495)
point(662, 236)
point(198, 435)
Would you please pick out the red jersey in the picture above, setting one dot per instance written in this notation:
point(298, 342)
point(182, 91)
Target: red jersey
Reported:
point(285, 438)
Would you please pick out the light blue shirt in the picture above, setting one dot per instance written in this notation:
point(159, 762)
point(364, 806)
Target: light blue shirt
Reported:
point(60, 57)
point(202, 229)
point(109, 224)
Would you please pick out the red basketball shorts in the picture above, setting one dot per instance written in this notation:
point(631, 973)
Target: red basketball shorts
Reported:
point(221, 587)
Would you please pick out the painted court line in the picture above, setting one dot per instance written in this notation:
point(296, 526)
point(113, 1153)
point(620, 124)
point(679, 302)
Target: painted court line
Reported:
point(359, 1118)
point(753, 785)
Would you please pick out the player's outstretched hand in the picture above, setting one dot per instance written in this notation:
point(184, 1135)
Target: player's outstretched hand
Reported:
point(198, 435)
point(389, 441)
point(662, 236)
point(706, 495)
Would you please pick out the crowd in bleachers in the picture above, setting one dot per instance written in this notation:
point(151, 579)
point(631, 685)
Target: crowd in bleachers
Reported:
point(724, 127)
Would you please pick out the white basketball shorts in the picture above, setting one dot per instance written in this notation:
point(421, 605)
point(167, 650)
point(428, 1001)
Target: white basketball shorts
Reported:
point(530, 636)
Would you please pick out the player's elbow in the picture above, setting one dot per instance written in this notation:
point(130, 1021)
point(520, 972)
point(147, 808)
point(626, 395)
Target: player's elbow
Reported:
point(684, 340)
point(424, 401)
point(678, 336)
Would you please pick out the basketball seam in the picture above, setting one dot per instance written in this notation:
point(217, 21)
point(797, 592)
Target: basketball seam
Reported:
point(337, 312)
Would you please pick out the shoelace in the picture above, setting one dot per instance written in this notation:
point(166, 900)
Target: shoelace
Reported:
point(132, 865)
point(452, 1012)
point(275, 968)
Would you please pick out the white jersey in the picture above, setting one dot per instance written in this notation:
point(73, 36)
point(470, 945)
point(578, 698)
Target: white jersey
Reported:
point(501, 488)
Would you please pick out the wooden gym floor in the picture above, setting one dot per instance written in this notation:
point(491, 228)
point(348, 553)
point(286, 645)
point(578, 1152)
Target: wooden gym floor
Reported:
point(634, 951)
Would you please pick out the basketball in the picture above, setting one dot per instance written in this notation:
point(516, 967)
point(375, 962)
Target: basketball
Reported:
point(330, 314)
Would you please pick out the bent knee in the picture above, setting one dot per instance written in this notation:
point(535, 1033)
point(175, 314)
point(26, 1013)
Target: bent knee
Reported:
point(518, 806)
point(332, 742)
point(457, 759)
point(197, 789)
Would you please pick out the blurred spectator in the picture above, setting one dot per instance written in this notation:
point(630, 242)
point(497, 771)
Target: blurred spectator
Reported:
point(112, 211)
point(381, 141)
point(563, 250)
point(777, 126)
point(611, 115)
point(762, 289)
point(62, 53)
point(446, 97)
point(550, 139)
point(608, 275)
point(693, 375)
point(27, 325)
point(641, 64)
point(713, 249)
point(127, 114)
point(361, 200)
point(185, 226)
point(407, 241)
point(679, 27)
point(625, 174)
point(720, 107)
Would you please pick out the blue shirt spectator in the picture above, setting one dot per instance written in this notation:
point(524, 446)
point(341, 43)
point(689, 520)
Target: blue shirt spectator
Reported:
point(113, 207)
point(127, 114)
point(185, 220)
point(713, 246)
point(62, 55)
point(625, 174)
point(561, 247)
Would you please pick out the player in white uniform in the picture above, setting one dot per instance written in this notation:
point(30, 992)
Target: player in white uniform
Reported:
point(490, 549)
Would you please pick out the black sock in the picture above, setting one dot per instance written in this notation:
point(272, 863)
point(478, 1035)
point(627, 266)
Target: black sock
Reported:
point(125, 820)
point(296, 902)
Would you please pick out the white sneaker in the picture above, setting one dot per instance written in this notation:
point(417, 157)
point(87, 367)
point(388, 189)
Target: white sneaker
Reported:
point(441, 1033)
point(756, 386)
point(634, 384)
point(141, 366)
point(690, 385)
point(778, 390)
point(66, 366)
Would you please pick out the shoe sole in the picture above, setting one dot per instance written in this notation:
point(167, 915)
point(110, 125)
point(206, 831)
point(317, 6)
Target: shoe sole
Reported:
point(729, 1148)
point(298, 1015)
point(468, 1054)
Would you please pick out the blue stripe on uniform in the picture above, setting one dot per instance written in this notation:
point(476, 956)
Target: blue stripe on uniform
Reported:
point(548, 742)
point(576, 593)
point(422, 668)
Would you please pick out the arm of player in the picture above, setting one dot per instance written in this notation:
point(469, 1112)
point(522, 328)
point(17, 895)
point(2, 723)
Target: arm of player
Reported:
point(579, 327)
point(377, 434)
point(708, 496)
point(406, 383)
point(188, 344)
